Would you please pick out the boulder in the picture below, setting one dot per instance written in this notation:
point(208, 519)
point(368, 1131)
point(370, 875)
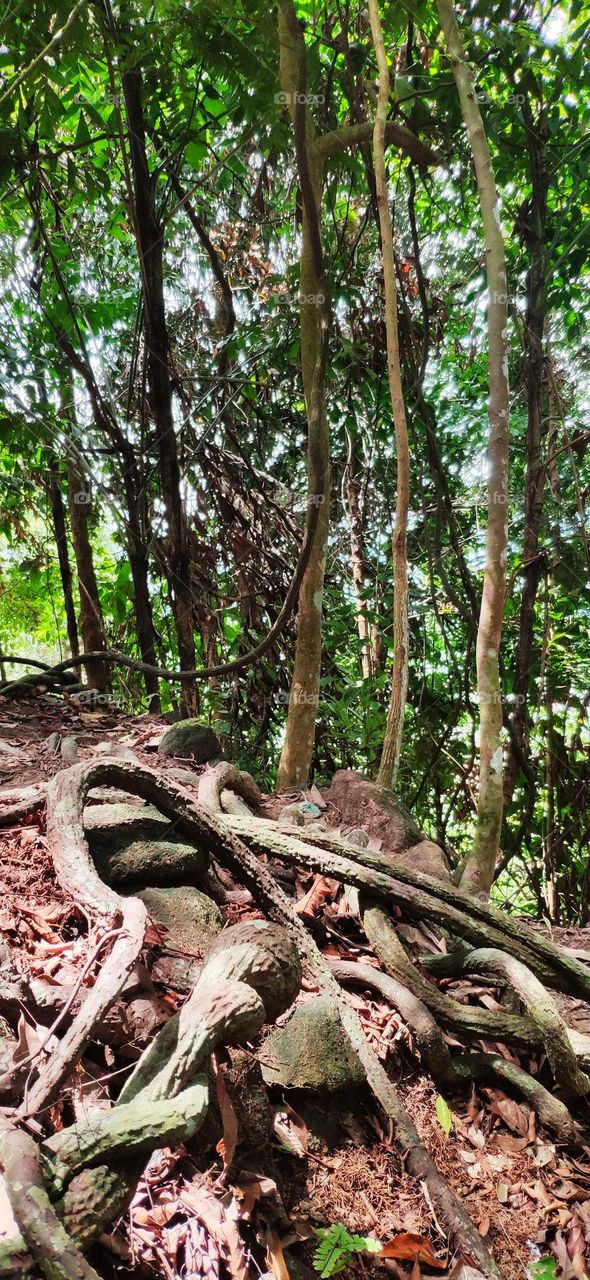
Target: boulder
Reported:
point(311, 1051)
point(386, 819)
point(425, 856)
point(360, 802)
point(190, 740)
point(192, 919)
point(358, 837)
point(151, 862)
point(113, 822)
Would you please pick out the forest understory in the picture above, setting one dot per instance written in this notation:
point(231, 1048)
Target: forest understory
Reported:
point(455, 1151)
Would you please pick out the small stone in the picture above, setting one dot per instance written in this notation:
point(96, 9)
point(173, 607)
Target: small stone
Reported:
point(69, 750)
point(358, 838)
point(311, 1051)
point(292, 815)
point(183, 776)
point(310, 811)
point(118, 749)
point(189, 739)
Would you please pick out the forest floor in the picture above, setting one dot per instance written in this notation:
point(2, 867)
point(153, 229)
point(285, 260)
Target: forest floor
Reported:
point(329, 1161)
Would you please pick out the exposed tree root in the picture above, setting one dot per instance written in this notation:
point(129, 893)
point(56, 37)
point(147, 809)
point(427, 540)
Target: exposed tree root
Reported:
point(126, 1130)
point(77, 875)
point(551, 1111)
point(252, 974)
point(433, 1048)
point(42, 1232)
point(542, 1009)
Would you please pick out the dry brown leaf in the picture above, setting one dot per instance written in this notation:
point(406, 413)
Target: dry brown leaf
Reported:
point(513, 1116)
point(291, 1130)
point(409, 1246)
point(275, 1256)
point(462, 1271)
point(507, 1143)
point(227, 1144)
point(321, 891)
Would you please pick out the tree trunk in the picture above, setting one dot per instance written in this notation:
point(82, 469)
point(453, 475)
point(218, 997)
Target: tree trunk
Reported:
point(478, 870)
point(350, 487)
point(142, 605)
point(61, 542)
point(297, 750)
point(150, 242)
point(534, 355)
point(91, 620)
point(392, 744)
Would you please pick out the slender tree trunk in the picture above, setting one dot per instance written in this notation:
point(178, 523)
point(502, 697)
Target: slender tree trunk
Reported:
point(350, 487)
point(297, 750)
point(91, 619)
point(150, 242)
point(535, 375)
point(478, 870)
point(92, 630)
point(392, 743)
point(137, 539)
point(549, 837)
point(137, 524)
point(61, 542)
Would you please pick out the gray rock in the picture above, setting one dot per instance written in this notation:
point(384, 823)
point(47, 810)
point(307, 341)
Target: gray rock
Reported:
point(358, 838)
point(184, 777)
point(292, 815)
point(151, 862)
point(192, 919)
point(425, 856)
point(311, 1051)
point(176, 973)
point(69, 750)
point(110, 827)
point(118, 749)
point(112, 795)
point(189, 739)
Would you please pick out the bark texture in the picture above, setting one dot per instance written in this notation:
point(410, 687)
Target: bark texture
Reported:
point(479, 867)
point(392, 744)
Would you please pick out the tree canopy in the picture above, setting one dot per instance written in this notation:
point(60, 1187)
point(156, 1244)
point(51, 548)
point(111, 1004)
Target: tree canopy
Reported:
point(176, 272)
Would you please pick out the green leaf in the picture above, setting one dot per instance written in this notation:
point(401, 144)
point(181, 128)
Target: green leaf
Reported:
point(337, 1246)
point(444, 1115)
point(544, 1269)
point(195, 153)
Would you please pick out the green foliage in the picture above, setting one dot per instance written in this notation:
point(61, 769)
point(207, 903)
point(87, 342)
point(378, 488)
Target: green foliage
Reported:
point(544, 1269)
point(337, 1247)
point(444, 1115)
point(71, 308)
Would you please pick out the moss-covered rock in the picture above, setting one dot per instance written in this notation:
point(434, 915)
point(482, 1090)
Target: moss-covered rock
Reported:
point(108, 824)
point(151, 862)
point(311, 1051)
point(189, 739)
point(192, 919)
